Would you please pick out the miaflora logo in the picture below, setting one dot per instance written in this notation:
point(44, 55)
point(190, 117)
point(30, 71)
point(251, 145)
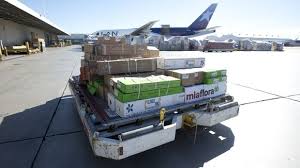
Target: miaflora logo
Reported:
point(202, 93)
point(129, 108)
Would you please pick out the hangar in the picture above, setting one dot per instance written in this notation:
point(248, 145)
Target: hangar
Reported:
point(19, 23)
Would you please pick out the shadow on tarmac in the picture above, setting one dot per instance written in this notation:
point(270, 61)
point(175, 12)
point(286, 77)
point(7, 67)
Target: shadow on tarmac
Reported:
point(73, 149)
point(28, 124)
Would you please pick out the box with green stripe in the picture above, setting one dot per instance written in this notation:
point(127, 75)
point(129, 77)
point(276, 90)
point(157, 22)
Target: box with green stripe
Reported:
point(138, 84)
point(207, 74)
point(214, 80)
point(127, 97)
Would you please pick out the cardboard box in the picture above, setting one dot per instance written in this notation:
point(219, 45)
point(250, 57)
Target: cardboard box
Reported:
point(111, 80)
point(151, 52)
point(143, 106)
point(126, 66)
point(89, 48)
point(127, 97)
point(83, 63)
point(201, 92)
point(171, 100)
point(215, 80)
point(138, 84)
point(188, 77)
point(115, 49)
point(180, 62)
point(110, 40)
point(136, 107)
point(214, 73)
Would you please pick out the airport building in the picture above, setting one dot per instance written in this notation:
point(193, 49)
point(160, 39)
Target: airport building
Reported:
point(19, 23)
point(75, 38)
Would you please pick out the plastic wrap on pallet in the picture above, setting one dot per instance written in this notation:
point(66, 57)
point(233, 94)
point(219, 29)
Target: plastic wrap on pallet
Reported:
point(218, 46)
point(262, 46)
point(154, 41)
point(246, 45)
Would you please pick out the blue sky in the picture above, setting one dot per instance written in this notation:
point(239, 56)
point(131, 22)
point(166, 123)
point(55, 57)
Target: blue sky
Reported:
point(274, 17)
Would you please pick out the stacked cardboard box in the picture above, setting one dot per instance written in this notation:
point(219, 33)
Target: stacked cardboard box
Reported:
point(214, 83)
point(127, 75)
point(214, 76)
point(134, 88)
point(188, 77)
point(175, 62)
point(114, 49)
point(130, 96)
point(117, 56)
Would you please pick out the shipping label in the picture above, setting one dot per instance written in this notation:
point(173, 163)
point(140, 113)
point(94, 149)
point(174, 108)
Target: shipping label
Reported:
point(152, 103)
point(185, 76)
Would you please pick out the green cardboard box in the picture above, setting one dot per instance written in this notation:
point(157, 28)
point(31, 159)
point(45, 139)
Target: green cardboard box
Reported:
point(222, 72)
point(91, 89)
point(208, 74)
point(139, 84)
point(214, 73)
point(127, 97)
point(170, 91)
point(134, 84)
point(214, 80)
point(163, 81)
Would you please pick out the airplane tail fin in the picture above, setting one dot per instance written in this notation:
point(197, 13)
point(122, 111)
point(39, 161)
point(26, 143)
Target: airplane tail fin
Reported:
point(202, 21)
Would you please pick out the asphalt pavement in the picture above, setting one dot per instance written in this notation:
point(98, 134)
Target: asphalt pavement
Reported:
point(40, 127)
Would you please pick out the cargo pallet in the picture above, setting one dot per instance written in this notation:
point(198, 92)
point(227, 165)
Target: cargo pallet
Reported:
point(113, 137)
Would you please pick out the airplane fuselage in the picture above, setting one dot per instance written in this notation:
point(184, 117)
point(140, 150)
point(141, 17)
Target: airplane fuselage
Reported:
point(197, 28)
point(174, 31)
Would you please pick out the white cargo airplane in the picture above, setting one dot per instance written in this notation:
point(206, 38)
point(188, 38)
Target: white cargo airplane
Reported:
point(197, 28)
point(143, 30)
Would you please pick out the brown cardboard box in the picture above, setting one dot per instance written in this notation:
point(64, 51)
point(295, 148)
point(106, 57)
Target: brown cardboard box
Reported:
point(93, 57)
point(126, 66)
point(151, 52)
point(116, 49)
point(90, 57)
point(89, 48)
point(115, 57)
point(83, 63)
point(83, 73)
point(139, 50)
point(110, 40)
point(188, 77)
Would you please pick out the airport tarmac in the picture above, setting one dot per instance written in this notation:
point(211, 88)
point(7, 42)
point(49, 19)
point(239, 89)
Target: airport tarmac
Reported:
point(39, 125)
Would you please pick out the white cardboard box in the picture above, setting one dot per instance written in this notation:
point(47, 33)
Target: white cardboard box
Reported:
point(180, 62)
point(141, 106)
point(200, 92)
point(172, 100)
point(136, 107)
